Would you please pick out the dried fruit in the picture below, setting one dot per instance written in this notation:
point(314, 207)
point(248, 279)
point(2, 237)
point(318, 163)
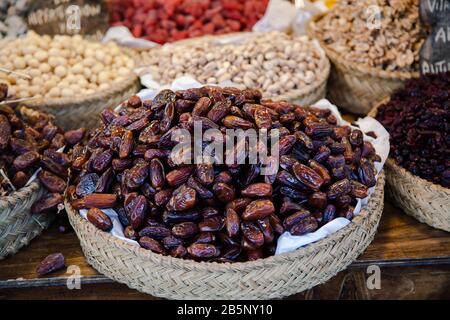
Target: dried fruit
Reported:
point(99, 219)
point(258, 209)
point(50, 264)
point(151, 244)
point(307, 176)
point(416, 118)
point(220, 212)
point(53, 183)
point(47, 203)
point(203, 250)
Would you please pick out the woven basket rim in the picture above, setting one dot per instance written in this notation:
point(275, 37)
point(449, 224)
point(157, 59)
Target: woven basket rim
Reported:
point(189, 41)
point(391, 163)
point(338, 59)
point(67, 102)
point(236, 266)
point(12, 198)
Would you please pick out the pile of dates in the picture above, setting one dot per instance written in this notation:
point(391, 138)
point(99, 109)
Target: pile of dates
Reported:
point(418, 120)
point(164, 21)
point(219, 212)
point(30, 141)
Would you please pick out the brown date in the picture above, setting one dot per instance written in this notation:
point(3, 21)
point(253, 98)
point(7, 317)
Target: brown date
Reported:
point(182, 199)
point(47, 203)
point(99, 219)
point(224, 192)
point(307, 176)
point(95, 200)
point(52, 182)
point(50, 264)
point(203, 250)
point(252, 233)
point(185, 230)
point(151, 244)
point(179, 176)
point(258, 209)
point(232, 222)
point(26, 160)
point(305, 226)
point(258, 190)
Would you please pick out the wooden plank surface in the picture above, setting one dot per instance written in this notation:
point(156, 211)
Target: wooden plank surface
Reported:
point(401, 245)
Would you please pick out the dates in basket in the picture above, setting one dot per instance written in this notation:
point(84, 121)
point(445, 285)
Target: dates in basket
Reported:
point(30, 141)
point(220, 211)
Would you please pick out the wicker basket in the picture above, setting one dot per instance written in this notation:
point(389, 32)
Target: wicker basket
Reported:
point(83, 111)
point(17, 225)
point(357, 87)
point(307, 96)
point(427, 202)
point(269, 278)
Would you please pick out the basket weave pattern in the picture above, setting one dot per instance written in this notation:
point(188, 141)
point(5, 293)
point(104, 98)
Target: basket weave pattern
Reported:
point(83, 111)
point(269, 278)
point(17, 225)
point(427, 202)
point(357, 87)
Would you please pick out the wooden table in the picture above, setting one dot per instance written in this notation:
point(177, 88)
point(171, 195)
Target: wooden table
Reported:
point(414, 260)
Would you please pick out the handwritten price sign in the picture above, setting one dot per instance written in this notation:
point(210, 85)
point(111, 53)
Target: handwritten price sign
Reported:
point(85, 17)
point(435, 52)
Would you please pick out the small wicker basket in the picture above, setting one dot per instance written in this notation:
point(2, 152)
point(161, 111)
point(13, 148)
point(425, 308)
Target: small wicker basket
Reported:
point(357, 87)
point(17, 225)
point(427, 202)
point(269, 278)
point(75, 112)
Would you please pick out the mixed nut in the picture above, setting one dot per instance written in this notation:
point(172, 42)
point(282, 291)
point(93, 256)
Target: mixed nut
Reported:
point(164, 21)
point(384, 34)
point(418, 120)
point(219, 212)
point(30, 141)
point(275, 62)
point(63, 66)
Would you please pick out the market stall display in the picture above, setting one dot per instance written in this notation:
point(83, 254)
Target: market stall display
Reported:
point(33, 169)
point(71, 78)
point(371, 55)
point(219, 213)
point(171, 20)
point(418, 171)
point(287, 67)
